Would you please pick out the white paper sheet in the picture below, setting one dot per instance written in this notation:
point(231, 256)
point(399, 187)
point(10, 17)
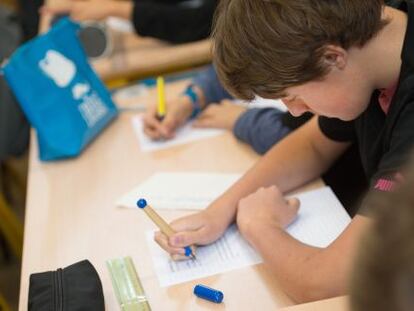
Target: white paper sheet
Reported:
point(179, 190)
point(184, 134)
point(230, 252)
point(321, 218)
point(320, 221)
point(260, 102)
point(120, 24)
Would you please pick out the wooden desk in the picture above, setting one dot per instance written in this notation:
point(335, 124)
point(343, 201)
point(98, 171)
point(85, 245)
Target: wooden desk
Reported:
point(334, 304)
point(71, 215)
point(137, 57)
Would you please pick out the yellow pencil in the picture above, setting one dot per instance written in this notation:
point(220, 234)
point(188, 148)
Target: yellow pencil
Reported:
point(161, 109)
point(161, 224)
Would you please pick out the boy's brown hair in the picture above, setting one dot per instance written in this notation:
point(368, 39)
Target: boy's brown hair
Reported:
point(383, 277)
point(262, 47)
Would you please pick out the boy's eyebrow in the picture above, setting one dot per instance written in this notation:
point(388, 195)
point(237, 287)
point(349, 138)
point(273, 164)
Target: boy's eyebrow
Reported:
point(289, 97)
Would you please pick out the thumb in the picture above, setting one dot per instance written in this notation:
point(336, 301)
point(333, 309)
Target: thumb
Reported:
point(294, 204)
point(189, 230)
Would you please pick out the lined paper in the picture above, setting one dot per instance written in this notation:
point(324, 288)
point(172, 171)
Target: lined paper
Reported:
point(321, 219)
point(229, 252)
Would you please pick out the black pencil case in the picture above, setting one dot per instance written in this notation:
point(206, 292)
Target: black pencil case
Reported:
point(74, 288)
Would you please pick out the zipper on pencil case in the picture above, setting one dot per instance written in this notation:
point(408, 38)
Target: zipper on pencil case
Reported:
point(58, 289)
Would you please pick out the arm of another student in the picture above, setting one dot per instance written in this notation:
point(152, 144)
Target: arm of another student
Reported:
point(207, 88)
point(210, 85)
point(86, 10)
point(261, 128)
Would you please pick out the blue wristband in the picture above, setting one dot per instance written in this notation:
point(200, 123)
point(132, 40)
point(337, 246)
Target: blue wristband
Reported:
point(189, 91)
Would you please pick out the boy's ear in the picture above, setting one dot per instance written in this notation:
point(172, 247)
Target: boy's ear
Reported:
point(335, 56)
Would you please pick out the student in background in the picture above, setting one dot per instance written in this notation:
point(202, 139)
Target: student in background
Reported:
point(208, 103)
point(261, 128)
point(383, 276)
point(176, 21)
point(306, 53)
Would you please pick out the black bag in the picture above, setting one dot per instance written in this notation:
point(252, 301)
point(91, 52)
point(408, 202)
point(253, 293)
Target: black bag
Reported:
point(74, 288)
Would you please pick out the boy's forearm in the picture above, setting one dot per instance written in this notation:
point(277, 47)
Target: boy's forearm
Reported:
point(289, 164)
point(209, 84)
point(296, 266)
point(308, 273)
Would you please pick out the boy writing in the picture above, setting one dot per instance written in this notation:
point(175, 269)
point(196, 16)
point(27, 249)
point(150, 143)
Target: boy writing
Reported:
point(261, 128)
point(351, 64)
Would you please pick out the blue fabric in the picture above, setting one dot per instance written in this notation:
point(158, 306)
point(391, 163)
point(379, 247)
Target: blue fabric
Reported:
point(195, 102)
point(58, 91)
point(259, 127)
point(209, 83)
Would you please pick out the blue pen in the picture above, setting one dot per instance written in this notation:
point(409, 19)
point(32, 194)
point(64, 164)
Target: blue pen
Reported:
point(161, 224)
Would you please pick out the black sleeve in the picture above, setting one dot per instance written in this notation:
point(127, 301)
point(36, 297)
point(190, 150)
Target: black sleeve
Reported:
point(336, 129)
point(174, 21)
point(389, 172)
point(400, 147)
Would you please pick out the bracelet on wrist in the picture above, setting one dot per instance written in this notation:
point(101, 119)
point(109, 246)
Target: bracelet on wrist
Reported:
point(195, 101)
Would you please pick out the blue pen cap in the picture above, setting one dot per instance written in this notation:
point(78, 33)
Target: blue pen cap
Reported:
point(141, 203)
point(208, 293)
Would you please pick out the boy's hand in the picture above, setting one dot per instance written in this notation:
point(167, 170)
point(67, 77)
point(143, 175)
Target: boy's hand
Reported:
point(197, 229)
point(223, 115)
point(178, 112)
point(82, 10)
point(265, 207)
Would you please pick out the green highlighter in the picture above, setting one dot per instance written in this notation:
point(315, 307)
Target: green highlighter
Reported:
point(128, 288)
